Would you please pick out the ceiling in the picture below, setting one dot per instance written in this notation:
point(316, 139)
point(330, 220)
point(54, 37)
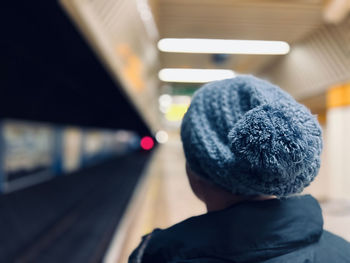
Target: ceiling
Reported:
point(234, 19)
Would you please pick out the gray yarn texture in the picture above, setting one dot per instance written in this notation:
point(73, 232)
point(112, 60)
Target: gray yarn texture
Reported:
point(251, 138)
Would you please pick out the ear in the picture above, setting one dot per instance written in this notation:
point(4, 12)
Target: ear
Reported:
point(195, 183)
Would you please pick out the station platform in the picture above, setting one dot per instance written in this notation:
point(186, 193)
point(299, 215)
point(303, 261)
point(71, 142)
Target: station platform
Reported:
point(99, 214)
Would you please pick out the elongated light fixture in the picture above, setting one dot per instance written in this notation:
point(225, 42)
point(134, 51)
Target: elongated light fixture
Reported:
point(223, 46)
point(191, 75)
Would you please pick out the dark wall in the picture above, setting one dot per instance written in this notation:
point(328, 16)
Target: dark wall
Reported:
point(49, 73)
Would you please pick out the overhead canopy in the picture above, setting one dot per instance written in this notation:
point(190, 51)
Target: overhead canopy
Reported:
point(249, 20)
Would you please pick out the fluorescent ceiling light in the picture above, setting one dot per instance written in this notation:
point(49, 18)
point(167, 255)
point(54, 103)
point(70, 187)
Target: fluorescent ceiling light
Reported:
point(194, 75)
point(223, 46)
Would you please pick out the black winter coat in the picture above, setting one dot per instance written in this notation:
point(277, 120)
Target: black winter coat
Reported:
point(277, 230)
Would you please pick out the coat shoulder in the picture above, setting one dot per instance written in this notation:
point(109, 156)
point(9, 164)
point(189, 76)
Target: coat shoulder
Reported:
point(332, 248)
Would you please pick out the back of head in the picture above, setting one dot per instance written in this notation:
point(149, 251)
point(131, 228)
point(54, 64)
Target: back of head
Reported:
point(251, 138)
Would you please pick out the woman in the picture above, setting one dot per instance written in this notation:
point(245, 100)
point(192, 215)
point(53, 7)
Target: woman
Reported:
point(250, 148)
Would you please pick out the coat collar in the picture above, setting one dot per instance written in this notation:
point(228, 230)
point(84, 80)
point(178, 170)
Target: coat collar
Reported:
point(247, 231)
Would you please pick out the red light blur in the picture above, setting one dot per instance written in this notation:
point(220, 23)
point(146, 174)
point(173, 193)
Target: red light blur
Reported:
point(147, 143)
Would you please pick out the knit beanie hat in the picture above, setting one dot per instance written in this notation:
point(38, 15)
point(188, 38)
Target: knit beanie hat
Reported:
point(251, 138)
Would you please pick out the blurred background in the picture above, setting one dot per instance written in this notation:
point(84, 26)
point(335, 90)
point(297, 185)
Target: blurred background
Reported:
point(92, 97)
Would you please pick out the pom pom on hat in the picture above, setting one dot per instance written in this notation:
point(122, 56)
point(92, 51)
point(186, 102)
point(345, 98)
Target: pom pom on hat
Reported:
point(250, 137)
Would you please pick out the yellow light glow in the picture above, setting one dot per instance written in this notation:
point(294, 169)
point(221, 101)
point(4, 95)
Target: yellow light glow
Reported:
point(176, 112)
point(132, 67)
